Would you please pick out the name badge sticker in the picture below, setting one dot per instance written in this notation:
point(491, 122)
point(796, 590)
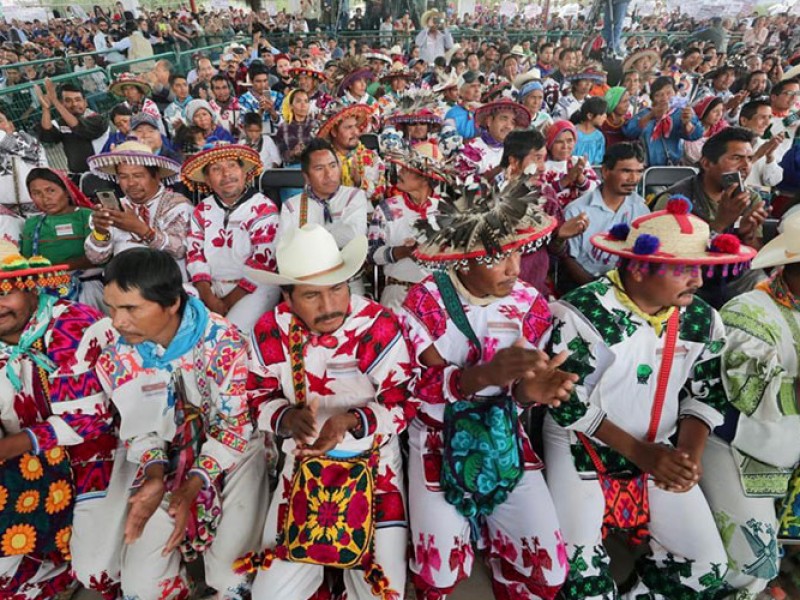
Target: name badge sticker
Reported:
point(65, 229)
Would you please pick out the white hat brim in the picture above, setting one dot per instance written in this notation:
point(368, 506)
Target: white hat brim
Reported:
point(353, 256)
point(775, 254)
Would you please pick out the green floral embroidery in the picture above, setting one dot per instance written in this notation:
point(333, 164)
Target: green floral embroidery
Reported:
point(643, 373)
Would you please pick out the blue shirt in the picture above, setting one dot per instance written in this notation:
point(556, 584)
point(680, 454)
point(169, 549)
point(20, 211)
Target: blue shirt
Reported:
point(465, 123)
point(601, 219)
point(592, 145)
point(665, 150)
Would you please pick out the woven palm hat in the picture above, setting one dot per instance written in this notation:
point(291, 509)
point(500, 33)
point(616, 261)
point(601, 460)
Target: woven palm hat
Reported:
point(416, 106)
point(129, 79)
point(105, 165)
point(632, 58)
point(485, 226)
point(324, 266)
point(29, 274)
point(336, 112)
point(522, 116)
point(313, 73)
point(673, 236)
point(193, 175)
point(784, 249)
point(423, 159)
point(398, 71)
point(428, 15)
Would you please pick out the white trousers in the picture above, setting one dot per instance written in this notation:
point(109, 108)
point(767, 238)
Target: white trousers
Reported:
point(247, 311)
point(748, 526)
point(686, 553)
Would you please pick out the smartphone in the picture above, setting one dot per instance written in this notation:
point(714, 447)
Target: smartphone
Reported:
point(733, 178)
point(109, 200)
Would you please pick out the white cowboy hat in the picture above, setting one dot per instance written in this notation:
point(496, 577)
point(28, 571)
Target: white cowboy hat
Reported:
point(533, 74)
point(427, 16)
point(784, 249)
point(448, 56)
point(309, 256)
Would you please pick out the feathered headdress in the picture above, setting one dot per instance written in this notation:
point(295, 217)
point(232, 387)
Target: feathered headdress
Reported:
point(484, 226)
point(348, 70)
point(416, 106)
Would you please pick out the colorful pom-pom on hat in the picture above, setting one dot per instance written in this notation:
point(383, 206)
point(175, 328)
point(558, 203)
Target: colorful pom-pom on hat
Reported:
point(29, 274)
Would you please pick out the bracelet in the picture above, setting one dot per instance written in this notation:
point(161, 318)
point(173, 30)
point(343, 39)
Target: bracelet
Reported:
point(100, 237)
point(357, 431)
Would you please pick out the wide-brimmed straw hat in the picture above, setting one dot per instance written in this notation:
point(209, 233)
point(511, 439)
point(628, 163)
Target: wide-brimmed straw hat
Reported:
point(416, 106)
point(129, 79)
point(673, 237)
point(309, 256)
point(351, 69)
point(522, 116)
point(192, 173)
point(336, 112)
point(313, 73)
point(630, 60)
point(485, 227)
point(424, 159)
point(398, 71)
point(783, 249)
point(133, 153)
point(428, 15)
point(29, 274)
point(533, 74)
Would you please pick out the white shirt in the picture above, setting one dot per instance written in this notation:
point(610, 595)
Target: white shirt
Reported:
point(348, 211)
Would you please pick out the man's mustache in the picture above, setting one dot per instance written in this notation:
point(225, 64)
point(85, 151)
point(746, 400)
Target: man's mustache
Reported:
point(328, 317)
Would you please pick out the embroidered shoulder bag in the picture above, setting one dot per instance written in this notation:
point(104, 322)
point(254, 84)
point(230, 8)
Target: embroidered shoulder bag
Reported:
point(627, 502)
point(330, 517)
point(482, 453)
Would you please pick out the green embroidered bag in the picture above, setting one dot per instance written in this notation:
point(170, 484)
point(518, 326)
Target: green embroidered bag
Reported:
point(482, 453)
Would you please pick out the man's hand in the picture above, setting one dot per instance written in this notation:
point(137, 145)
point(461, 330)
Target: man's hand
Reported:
point(212, 302)
point(143, 504)
point(576, 173)
point(331, 435)
point(301, 422)
point(736, 100)
point(50, 88)
point(180, 509)
point(42, 98)
point(731, 205)
point(672, 469)
point(550, 386)
point(406, 250)
point(125, 220)
point(768, 148)
point(572, 227)
point(751, 221)
point(513, 363)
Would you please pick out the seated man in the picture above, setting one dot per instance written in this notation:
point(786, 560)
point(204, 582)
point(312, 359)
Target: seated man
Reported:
point(463, 113)
point(726, 208)
point(151, 215)
point(58, 442)
point(476, 330)
point(329, 373)
point(480, 157)
point(647, 351)
point(234, 227)
point(614, 201)
point(750, 459)
point(195, 472)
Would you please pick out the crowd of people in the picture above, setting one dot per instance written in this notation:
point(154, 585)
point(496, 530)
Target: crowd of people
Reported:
point(351, 387)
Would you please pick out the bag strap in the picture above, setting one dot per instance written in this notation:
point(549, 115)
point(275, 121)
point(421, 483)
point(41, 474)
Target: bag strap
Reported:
point(303, 219)
point(661, 391)
point(296, 345)
point(453, 306)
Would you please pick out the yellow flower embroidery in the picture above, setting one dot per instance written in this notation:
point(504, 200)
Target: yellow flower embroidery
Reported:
point(55, 455)
point(58, 497)
point(3, 497)
point(19, 539)
point(28, 502)
point(62, 541)
point(31, 467)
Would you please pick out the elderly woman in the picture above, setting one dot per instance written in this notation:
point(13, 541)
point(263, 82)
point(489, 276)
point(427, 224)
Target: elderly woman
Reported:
point(531, 96)
point(565, 177)
point(58, 233)
point(663, 128)
point(203, 127)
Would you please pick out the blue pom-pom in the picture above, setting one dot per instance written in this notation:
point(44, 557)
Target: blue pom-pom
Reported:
point(646, 244)
point(619, 232)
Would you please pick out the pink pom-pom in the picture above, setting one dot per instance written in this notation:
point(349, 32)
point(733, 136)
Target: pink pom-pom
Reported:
point(679, 205)
point(726, 243)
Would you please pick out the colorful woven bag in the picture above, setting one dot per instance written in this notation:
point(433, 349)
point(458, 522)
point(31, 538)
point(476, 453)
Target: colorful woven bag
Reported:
point(482, 450)
point(627, 501)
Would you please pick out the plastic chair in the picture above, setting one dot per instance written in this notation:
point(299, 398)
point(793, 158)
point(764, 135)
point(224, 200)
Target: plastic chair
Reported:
point(273, 180)
point(370, 141)
point(657, 179)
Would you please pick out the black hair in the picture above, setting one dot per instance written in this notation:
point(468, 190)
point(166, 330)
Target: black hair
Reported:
point(778, 88)
point(119, 110)
point(68, 87)
point(750, 109)
point(594, 105)
point(622, 151)
point(257, 69)
point(690, 51)
point(223, 78)
point(717, 144)
point(47, 175)
point(660, 83)
point(519, 143)
point(153, 272)
point(315, 145)
point(252, 118)
point(175, 76)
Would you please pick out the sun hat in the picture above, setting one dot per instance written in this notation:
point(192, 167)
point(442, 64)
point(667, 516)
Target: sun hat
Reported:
point(29, 274)
point(398, 71)
point(313, 73)
point(351, 69)
point(129, 79)
point(424, 159)
point(673, 236)
point(415, 106)
point(105, 165)
point(336, 112)
point(484, 226)
point(522, 116)
point(496, 90)
point(450, 82)
point(325, 266)
point(428, 15)
point(192, 173)
point(533, 74)
point(784, 249)
point(631, 59)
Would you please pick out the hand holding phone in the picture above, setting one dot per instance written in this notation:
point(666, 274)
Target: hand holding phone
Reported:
point(109, 200)
point(733, 178)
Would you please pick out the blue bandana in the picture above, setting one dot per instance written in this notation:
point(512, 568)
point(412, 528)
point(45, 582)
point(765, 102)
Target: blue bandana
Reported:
point(192, 327)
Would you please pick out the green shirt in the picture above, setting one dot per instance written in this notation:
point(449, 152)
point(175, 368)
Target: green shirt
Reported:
point(60, 237)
